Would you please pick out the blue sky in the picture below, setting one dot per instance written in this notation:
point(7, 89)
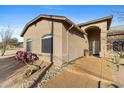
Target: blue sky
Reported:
point(17, 16)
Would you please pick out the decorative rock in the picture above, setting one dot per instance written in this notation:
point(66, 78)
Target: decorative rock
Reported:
point(47, 72)
point(39, 85)
point(44, 81)
point(28, 72)
point(52, 72)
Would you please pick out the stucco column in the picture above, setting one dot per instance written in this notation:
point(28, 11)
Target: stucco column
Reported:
point(103, 42)
point(86, 46)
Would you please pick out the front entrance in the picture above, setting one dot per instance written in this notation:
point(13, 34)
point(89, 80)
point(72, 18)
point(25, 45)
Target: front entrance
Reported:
point(93, 40)
point(94, 47)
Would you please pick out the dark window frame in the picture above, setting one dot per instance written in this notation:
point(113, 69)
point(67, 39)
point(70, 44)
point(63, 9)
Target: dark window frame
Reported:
point(46, 44)
point(118, 45)
point(29, 45)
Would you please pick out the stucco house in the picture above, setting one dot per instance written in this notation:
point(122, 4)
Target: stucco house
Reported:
point(59, 40)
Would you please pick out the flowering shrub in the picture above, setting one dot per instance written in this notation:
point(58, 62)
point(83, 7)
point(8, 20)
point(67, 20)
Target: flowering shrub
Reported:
point(26, 56)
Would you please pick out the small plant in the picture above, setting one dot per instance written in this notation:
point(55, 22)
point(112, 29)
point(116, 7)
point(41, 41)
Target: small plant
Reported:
point(117, 61)
point(26, 57)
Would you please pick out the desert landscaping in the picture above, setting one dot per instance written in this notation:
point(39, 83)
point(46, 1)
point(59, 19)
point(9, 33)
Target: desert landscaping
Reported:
point(65, 49)
point(86, 72)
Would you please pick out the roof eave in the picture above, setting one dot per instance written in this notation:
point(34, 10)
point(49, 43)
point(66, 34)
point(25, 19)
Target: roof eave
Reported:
point(63, 18)
point(78, 28)
point(96, 21)
point(35, 19)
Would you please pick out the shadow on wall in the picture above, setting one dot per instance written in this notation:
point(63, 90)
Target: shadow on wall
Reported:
point(77, 33)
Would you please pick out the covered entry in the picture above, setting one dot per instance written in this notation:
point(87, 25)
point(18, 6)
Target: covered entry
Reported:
point(93, 36)
point(96, 38)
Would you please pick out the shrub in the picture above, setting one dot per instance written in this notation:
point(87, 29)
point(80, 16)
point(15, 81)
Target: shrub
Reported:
point(22, 56)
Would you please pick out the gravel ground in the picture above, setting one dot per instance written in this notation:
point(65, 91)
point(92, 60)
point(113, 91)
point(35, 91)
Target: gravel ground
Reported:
point(50, 74)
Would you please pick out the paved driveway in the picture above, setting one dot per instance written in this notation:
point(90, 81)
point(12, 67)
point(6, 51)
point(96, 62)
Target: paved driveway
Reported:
point(7, 67)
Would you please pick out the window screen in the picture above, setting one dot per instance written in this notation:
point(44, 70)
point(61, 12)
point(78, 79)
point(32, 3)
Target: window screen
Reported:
point(29, 45)
point(47, 44)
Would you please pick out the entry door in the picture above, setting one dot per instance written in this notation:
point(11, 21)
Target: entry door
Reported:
point(97, 47)
point(94, 46)
point(91, 46)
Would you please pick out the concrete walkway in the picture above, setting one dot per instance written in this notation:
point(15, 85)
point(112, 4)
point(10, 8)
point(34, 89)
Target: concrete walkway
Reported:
point(69, 79)
point(94, 66)
point(85, 73)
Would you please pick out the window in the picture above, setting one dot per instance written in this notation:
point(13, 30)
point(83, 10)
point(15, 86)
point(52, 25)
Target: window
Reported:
point(46, 43)
point(118, 45)
point(29, 45)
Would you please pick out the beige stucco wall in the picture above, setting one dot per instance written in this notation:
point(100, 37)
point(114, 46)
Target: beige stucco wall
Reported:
point(35, 32)
point(76, 45)
point(73, 44)
point(103, 36)
point(65, 42)
point(67, 46)
point(41, 28)
point(57, 43)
